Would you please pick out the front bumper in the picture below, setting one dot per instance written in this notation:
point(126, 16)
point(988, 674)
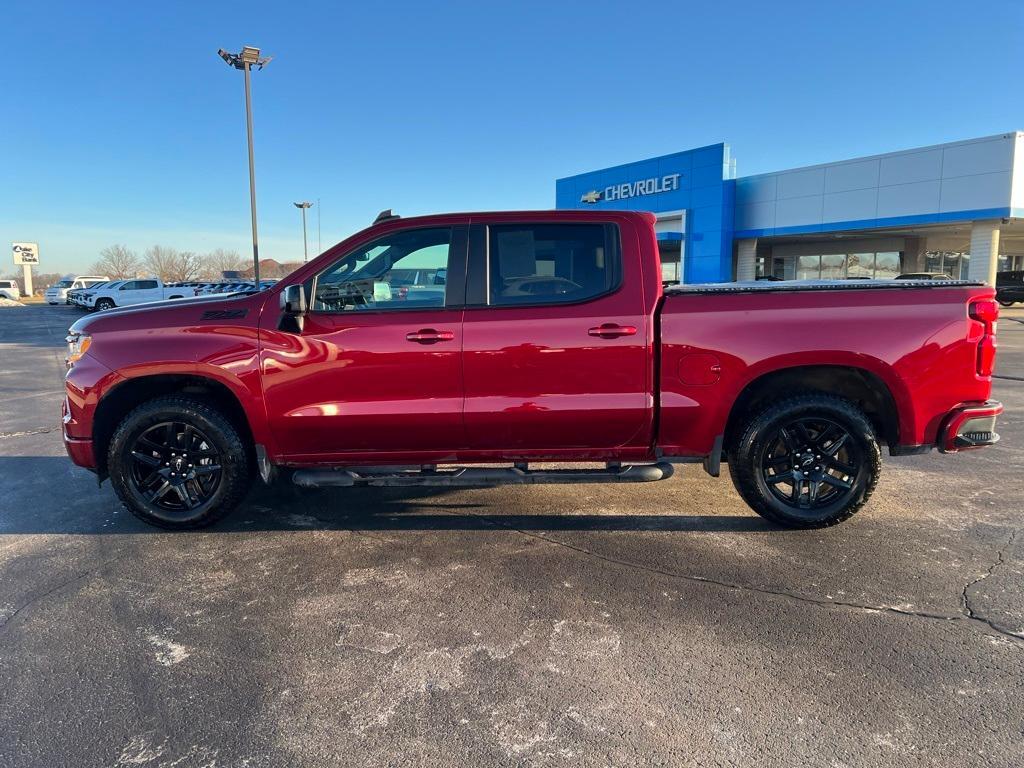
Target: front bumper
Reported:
point(969, 427)
point(80, 450)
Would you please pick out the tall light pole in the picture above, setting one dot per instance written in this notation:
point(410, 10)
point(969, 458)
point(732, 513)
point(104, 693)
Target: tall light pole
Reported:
point(304, 205)
point(245, 61)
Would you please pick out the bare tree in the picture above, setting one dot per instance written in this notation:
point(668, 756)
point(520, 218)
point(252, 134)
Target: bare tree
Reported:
point(217, 262)
point(172, 265)
point(116, 262)
point(186, 266)
point(158, 261)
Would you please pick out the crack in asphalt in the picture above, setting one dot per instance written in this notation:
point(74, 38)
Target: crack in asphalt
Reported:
point(968, 615)
point(38, 598)
point(968, 608)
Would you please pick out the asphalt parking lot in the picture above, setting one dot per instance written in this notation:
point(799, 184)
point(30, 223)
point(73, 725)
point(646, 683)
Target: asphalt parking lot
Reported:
point(540, 626)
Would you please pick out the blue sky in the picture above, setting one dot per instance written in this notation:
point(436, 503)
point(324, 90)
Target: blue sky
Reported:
point(122, 124)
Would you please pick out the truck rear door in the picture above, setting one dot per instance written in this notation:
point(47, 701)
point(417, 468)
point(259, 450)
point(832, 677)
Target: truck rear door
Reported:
point(556, 340)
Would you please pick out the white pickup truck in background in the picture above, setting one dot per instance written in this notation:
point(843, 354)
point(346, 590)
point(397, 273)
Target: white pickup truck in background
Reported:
point(58, 293)
point(130, 292)
point(10, 289)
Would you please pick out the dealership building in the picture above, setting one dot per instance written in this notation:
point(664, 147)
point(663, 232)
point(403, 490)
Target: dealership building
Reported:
point(956, 208)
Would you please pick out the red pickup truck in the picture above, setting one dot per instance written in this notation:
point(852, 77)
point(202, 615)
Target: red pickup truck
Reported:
point(422, 344)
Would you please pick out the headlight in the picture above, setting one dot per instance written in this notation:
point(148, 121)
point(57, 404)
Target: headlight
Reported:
point(78, 345)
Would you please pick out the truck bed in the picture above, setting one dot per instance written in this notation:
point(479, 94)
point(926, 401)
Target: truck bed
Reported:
point(913, 340)
point(777, 286)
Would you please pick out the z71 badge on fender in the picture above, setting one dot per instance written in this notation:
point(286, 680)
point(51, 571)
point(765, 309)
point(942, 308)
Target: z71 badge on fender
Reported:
point(224, 314)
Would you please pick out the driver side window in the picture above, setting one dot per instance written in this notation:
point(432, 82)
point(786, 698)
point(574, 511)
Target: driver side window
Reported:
point(552, 263)
point(403, 270)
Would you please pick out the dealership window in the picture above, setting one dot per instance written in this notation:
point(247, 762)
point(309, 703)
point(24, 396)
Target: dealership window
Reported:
point(1014, 263)
point(671, 253)
point(808, 267)
point(882, 265)
point(833, 266)
point(552, 263)
point(951, 263)
point(860, 265)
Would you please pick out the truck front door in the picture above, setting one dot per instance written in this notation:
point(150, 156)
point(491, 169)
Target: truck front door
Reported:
point(377, 366)
point(557, 351)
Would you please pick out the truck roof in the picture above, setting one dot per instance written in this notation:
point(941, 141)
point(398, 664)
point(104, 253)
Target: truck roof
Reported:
point(550, 214)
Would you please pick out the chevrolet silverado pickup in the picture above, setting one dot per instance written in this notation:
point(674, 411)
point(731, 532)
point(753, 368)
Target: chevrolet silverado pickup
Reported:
point(420, 346)
point(129, 292)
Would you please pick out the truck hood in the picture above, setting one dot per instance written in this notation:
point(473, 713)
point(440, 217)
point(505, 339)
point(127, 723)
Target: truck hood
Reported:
point(165, 313)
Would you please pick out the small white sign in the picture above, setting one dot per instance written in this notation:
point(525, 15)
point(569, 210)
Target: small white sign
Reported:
point(25, 253)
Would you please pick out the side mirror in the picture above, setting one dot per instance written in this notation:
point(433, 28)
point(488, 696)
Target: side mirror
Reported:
point(293, 308)
point(293, 300)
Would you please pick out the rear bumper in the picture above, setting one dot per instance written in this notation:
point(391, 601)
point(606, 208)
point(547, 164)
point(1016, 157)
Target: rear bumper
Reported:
point(970, 426)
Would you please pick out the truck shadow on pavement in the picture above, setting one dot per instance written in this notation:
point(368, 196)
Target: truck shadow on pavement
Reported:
point(426, 509)
point(48, 495)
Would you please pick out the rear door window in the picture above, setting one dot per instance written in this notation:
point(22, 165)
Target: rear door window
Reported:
point(552, 263)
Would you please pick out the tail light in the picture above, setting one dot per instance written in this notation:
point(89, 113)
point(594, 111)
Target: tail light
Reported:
point(986, 312)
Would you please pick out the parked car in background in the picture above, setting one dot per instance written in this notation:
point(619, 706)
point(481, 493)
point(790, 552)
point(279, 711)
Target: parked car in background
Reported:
point(58, 293)
point(10, 289)
point(1009, 288)
point(554, 340)
point(129, 292)
point(923, 276)
point(80, 296)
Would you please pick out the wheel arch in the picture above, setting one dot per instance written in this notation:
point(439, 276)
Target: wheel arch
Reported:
point(863, 387)
point(132, 392)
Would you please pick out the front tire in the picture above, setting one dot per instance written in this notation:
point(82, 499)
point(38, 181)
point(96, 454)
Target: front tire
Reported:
point(810, 461)
point(102, 305)
point(176, 462)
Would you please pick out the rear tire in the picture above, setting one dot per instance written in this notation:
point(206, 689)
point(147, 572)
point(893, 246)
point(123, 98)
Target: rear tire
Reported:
point(177, 463)
point(810, 461)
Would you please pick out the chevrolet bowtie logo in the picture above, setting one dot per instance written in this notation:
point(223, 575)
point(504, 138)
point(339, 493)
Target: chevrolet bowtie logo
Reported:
point(591, 197)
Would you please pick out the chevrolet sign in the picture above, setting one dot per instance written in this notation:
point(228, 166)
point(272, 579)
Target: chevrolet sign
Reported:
point(653, 186)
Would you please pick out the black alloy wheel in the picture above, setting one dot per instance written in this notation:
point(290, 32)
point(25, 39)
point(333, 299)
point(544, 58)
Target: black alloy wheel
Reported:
point(178, 462)
point(175, 467)
point(809, 461)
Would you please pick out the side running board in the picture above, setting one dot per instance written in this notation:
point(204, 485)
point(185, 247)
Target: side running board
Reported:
point(477, 476)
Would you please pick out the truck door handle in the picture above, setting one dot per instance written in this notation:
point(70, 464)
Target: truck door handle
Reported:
point(612, 331)
point(429, 336)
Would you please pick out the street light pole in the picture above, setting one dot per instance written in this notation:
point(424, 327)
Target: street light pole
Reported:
point(244, 61)
point(252, 178)
point(304, 205)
